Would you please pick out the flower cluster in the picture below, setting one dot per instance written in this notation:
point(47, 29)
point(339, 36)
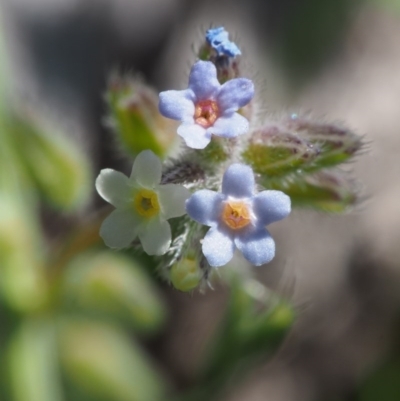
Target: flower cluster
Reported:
point(209, 108)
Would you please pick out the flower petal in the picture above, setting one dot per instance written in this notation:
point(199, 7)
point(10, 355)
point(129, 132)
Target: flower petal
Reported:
point(230, 126)
point(146, 169)
point(156, 237)
point(238, 181)
point(114, 187)
point(120, 228)
point(177, 105)
point(258, 247)
point(271, 206)
point(194, 135)
point(235, 94)
point(204, 206)
point(218, 247)
point(203, 80)
point(172, 198)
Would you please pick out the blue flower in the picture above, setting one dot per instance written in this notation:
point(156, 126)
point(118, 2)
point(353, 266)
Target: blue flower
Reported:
point(218, 39)
point(208, 108)
point(238, 218)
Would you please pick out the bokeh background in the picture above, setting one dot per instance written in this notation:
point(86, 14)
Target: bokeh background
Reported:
point(337, 60)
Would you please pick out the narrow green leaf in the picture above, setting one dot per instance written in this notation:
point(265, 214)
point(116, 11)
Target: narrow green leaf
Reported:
point(22, 277)
point(383, 384)
point(56, 166)
point(253, 328)
point(106, 364)
point(114, 286)
point(33, 362)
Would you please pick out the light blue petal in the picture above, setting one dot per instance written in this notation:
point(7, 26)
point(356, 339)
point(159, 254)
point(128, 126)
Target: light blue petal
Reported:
point(177, 105)
point(156, 237)
point(258, 247)
point(238, 181)
point(235, 94)
point(218, 39)
point(204, 206)
point(215, 36)
point(120, 228)
point(194, 135)
point(230, 127)
point(203, 80)
point(172, 198)
point(146, 169)
point(114, 187)
point(271, 206)
point(229, 49)
point(218, 247)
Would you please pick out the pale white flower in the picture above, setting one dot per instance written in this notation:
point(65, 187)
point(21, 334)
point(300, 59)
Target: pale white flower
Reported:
point(143, 206)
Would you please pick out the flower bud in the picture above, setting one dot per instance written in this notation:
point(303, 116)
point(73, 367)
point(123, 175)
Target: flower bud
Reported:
point(223, 53)
point(325, 191)
point(135, 119)
point(333, 143)
point(275, 152)
point(186, 274)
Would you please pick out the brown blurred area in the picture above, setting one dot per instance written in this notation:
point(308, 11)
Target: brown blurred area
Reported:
point(342, 272)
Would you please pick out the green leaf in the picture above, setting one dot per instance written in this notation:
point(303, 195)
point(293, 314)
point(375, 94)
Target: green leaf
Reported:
point(324, 191)
point(135, 119)
point(105, 363)
point(114, 286)
point(33, 362)
point(383, 384)
point(253, 328)
point(22, 277)
point(56, 166)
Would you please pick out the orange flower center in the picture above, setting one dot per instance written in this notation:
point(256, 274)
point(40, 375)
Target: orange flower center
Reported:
point(236, 214)
point(205, 113)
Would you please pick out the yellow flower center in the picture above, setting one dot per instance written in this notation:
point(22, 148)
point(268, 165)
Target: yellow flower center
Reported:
point(146, 203)
point(236, 214)
point(205, 113)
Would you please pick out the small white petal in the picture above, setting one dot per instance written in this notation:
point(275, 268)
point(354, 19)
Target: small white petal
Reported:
point(238, 181)
point(230, 126)
point(146, 169)
point(120, 228)
point(177, 105)
point(271, 206)
point(156, 237)
point(257, 247)
point(195, 136)
point(218, 247)
point(172, 199)
point(204, 206)
point(114, 187)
